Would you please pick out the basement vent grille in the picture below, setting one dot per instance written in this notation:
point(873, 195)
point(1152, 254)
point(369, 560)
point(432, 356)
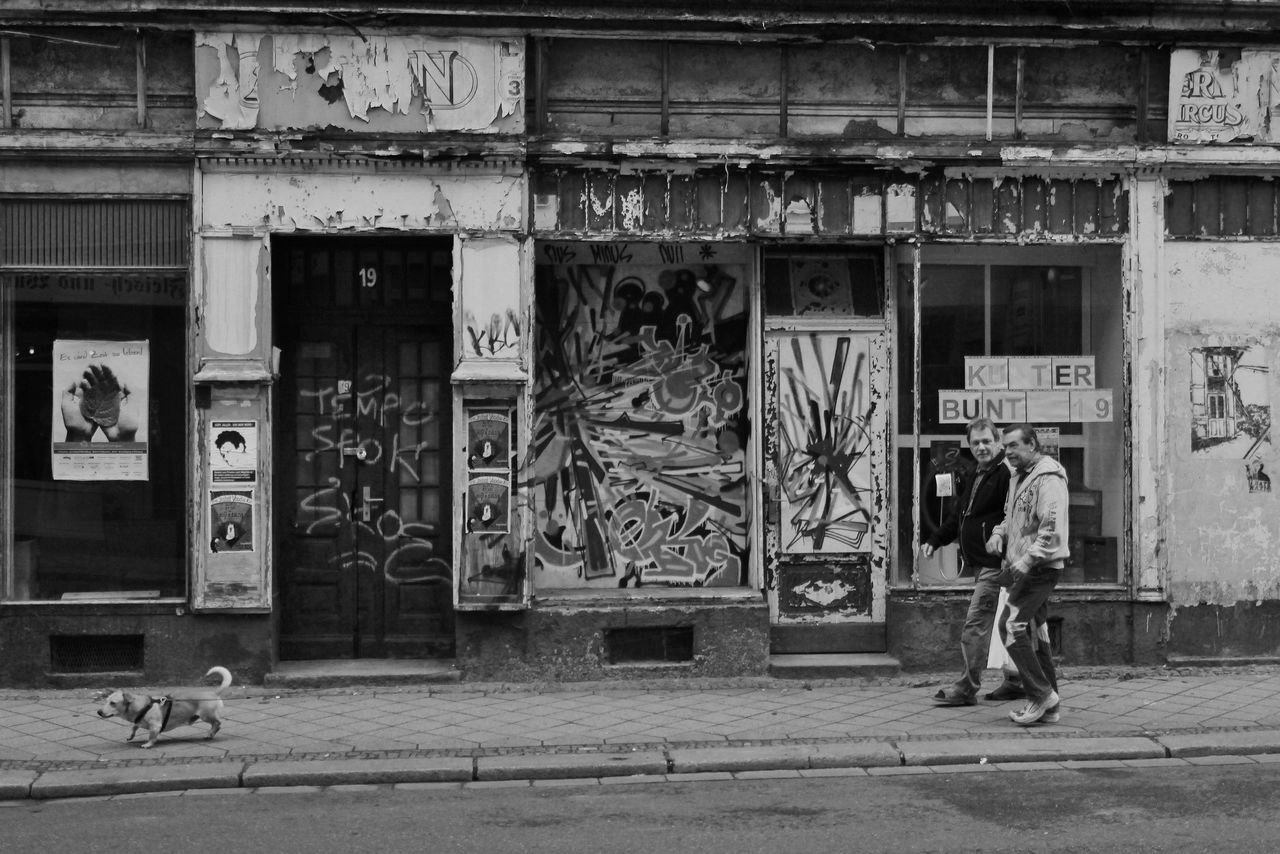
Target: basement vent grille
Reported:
point(95, 653)
point(648, 645)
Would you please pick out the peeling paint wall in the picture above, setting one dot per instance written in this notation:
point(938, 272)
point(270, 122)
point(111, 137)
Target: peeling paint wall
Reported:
point(1221, 352)
point(287, 81)
point(354, 198)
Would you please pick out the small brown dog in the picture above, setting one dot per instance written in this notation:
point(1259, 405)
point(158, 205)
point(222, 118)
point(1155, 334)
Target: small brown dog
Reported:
point(161, 714)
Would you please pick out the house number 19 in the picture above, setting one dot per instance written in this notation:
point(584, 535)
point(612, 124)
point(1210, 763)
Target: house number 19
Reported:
point(368, 277)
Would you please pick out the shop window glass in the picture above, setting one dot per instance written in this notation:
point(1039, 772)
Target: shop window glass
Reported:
point(94, 322)
point(1016, 342)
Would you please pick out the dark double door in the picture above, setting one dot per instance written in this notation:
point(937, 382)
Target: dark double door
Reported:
point(363, 442)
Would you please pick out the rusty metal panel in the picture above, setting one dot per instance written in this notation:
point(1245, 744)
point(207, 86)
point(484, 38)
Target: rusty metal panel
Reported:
point(801, 212)
point(1034, 202)
point(958, 216)
point(1261, 212)
point(629, 203)
point(682, 202)
point(600, 207)
point(983, 202)
point(1207, 209)
point(1008, 216)
point(737, 202)
point(604, 86)
point(1085, 202)
point(654, 188)
point(1113, 215)
point(725, 90)
point(1061, 207)
point(836, 205)
point(767, 203)
point(845, 90)
point(1234, 201)
point(572, 196)
point(710, 199)
point(1179, 209)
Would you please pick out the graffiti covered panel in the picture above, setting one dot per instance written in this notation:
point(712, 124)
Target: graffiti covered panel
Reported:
point(640, 417)
point(824, 442)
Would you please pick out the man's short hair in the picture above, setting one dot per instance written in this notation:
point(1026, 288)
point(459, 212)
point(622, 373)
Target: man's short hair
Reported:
point(982, 423)
point(1028, 433)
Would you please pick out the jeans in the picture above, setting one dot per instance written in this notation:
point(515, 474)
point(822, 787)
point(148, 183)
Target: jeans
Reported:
point(975, 637)
point(1026, 631)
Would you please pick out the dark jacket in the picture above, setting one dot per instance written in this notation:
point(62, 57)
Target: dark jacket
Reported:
point(973, 522)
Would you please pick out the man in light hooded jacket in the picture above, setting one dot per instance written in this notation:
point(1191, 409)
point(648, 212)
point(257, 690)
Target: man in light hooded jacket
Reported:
point(1033, 538)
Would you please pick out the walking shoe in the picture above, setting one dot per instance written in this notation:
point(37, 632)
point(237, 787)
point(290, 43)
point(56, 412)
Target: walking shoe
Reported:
point(1006, 691)
point(952, 697)
point(1034, 711)
point(1051, 716)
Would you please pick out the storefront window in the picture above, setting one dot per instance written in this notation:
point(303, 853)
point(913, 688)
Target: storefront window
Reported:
point(95, 469)
point(1018, 335)
point(640, 432)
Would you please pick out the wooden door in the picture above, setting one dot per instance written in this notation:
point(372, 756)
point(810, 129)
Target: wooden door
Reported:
point(363, 487)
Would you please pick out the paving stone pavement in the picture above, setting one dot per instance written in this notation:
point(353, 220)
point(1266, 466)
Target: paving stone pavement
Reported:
point(53, 745)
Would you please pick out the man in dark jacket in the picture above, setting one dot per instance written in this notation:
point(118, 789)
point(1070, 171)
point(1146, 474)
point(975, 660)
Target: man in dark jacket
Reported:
point(970, 521)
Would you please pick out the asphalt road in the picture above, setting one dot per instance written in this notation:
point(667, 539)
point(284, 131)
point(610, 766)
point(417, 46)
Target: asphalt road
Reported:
point(1219, 808)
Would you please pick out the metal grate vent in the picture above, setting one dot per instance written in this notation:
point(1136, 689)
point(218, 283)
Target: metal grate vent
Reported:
point(664, 643)
point(89, 233)
point(95, 653)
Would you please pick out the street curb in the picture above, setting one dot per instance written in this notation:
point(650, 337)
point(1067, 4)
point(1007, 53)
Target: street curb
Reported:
point(134, 779)
point(669, 763)
point(1221, 743)
point(1057, 749)
point(333, 772)
point(559, 766)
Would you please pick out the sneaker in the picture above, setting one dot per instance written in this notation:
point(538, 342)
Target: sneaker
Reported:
point(1034, 711)
point(1051, 716)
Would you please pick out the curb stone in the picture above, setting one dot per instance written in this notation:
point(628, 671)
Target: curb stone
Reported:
point(548, 766)
point(128, 780)
point(961, 750)
point(1221, 743)
point(16, 783)
point(320, 772)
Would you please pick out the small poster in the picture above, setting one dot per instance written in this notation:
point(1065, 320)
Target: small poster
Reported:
point(101, 398)
point(488, 505)
point(488, 439)
point(231, 520)
point(233, 451)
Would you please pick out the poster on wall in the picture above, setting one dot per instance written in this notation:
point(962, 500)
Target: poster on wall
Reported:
point(231, 520)
point(100, 404)
point(1230, 409)
point(233, 451)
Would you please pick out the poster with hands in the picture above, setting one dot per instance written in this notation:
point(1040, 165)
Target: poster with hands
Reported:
point(100, 404)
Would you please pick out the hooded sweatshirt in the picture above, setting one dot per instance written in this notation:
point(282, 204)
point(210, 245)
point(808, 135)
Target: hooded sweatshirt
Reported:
point(1034, 529)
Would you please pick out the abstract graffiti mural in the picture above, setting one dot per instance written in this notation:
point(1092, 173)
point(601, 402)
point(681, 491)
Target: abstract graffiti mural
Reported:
point(640, 473)
point(824, 442)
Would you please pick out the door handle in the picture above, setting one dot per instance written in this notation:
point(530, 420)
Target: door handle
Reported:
point(366, 500)
point(359, 453)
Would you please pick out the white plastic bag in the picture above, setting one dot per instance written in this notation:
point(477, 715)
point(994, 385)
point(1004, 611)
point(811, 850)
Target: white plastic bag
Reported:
point(998, 655)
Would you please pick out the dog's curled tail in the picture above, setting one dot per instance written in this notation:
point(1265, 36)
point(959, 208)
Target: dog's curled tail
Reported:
point(222, 673)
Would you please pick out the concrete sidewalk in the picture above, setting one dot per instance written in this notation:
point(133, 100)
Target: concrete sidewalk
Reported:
point(52, 744)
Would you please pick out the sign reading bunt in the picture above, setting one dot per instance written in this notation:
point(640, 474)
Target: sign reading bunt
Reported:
point(1040, 389)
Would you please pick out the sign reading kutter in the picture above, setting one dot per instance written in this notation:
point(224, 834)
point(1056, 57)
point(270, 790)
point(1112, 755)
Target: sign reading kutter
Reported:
point(1043, 389)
